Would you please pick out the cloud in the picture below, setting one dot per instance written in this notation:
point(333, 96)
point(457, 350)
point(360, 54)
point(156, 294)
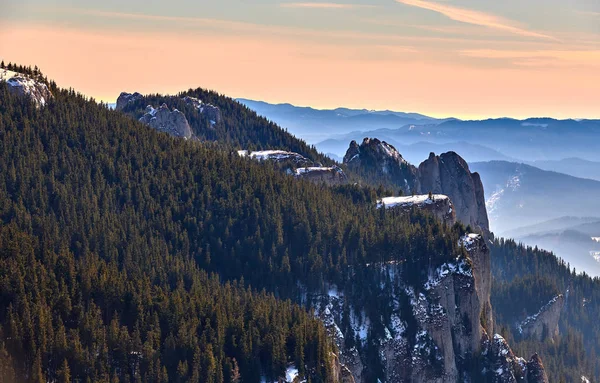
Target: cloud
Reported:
point(469, 16)
point(324, 5)
point(564, 58)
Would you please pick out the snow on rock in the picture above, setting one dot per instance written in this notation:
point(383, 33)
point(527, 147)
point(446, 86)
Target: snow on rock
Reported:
point(416, 200)
point(469, 240)
point(212, 112)
point(274, 155)
point(127, 98)
point(584, 379)
point(546, 318)
point(460, 266)
point(22, 84)
point(596, 239)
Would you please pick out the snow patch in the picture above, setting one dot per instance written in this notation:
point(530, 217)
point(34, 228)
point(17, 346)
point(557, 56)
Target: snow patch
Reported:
point(417, 200)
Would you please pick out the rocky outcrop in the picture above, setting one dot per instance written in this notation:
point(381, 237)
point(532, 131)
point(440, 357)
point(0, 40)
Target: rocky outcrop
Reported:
point(544, 324)
point(378, 158)
point(211, 112)
point(164, 120)
point(438, 205)
point(482, 267)
point(341, 373)
point(452, 320)
point(329, 175)
point(23, 85)
point(126, 98)
point(449, 174)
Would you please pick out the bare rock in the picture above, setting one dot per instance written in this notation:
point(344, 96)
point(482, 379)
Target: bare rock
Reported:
point(126, 98)
point(449, 174)
point(164, 120)
point(23, 85)
point(212, 112)
point(544, 324)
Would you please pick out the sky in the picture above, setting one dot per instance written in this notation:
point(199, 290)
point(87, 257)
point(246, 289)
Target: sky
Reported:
point(460, 58)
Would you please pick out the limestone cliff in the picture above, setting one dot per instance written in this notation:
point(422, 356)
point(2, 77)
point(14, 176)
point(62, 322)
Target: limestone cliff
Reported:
point(24, 85)
point(126, 98)
point(544, 324)
point(452, 320)
point(380, 161)
point(449, 174)
point(163, 119)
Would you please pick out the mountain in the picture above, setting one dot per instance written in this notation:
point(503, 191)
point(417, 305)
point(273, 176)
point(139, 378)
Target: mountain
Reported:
point(418, 151)
point(380, 163)
point(572, 166)
point(520, 195)
point(584, 224)
point(315, 125)
point(495, 139)
point(130, 254)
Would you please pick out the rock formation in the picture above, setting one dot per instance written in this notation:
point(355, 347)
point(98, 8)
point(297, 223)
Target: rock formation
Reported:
point(126, 98)
point(23, 85)
point(452, 317)
point(165, 120)
point(438, 204)
point(544, 324)
point(375, 157)
point(212, 112)
point(447, 174)
point(328, 175)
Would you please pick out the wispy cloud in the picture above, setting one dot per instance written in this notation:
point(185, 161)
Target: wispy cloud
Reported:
point(469, 16)
point(324, 5)
point(563, 58)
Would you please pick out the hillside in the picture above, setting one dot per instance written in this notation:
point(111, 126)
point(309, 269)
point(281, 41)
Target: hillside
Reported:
point(100, 188)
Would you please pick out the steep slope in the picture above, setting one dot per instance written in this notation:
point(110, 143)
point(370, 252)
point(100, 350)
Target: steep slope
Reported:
point(528, 283)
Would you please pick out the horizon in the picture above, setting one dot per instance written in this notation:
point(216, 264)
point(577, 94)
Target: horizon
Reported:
point(464, 58)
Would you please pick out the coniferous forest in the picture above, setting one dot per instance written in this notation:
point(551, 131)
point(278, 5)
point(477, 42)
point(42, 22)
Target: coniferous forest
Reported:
point(128, 255)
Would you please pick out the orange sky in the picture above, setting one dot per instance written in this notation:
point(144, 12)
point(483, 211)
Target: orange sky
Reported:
point(447, 73)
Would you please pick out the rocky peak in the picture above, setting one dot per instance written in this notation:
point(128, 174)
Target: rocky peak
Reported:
point(126, 98)
point(449, 174)
point(212, 112)
point(23, 85)
point(380, 158)
point(163, 119)
point(544, 324)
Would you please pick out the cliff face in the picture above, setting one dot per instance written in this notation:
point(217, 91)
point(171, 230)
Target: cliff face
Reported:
point(375, 157)
point(544, 324)
point(23, 85)
point(449, 174)
point(452, 320)
point(163, 119)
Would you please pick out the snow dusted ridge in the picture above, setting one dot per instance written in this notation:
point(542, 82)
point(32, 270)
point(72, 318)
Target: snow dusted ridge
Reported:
point(21, 84)
point(417, 200)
